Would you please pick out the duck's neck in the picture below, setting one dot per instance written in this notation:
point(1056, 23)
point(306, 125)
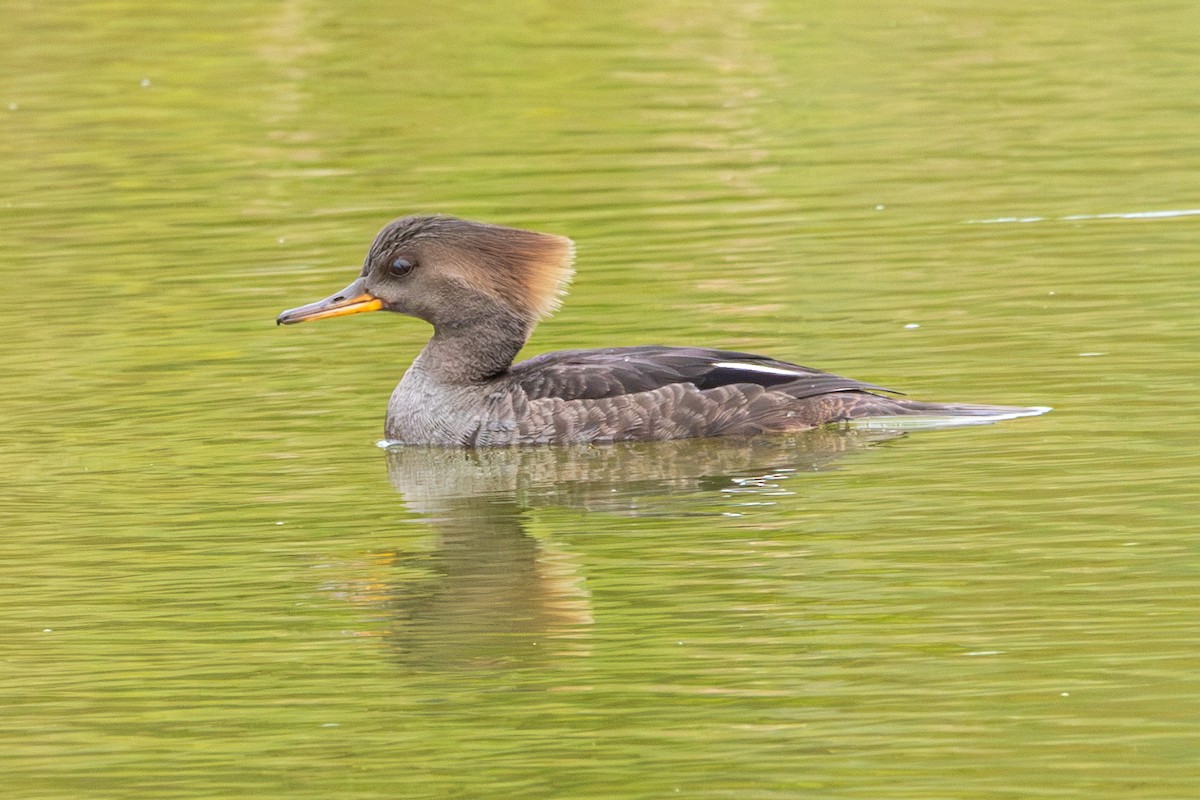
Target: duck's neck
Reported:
point(473, 347)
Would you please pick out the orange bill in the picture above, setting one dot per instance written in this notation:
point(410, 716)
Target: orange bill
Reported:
point(354, 299)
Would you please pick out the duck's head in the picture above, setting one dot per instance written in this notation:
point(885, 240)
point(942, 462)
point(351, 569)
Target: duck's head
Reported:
point(448, 271)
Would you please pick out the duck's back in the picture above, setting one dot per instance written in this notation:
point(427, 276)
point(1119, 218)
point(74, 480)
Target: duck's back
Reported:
point(654, 392)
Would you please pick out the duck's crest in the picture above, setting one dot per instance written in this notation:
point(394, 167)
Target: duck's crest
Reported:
point(525, 270)
point(549, 265)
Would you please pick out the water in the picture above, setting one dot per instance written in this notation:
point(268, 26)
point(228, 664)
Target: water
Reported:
point(217, 585)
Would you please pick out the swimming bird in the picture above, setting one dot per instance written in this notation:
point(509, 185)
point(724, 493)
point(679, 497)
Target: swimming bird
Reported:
point(484, 287)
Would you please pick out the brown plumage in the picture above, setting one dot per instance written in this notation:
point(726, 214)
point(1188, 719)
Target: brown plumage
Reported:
point(484, 287)
point(526, 272)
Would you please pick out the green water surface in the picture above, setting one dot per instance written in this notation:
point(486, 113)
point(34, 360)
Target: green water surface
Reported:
point(216, 584)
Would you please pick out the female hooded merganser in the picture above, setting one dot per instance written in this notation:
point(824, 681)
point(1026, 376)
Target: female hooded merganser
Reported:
point(484, 288)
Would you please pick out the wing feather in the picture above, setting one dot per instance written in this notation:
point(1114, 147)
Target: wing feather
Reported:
point(617, 371)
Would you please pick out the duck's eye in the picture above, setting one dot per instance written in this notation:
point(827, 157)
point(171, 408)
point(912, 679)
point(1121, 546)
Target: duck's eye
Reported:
point(400, 267)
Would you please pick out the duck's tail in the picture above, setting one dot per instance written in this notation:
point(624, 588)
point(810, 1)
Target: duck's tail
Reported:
point(913, 414)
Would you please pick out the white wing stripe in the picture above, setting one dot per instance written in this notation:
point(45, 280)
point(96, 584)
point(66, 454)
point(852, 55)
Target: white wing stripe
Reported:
point(761, 369)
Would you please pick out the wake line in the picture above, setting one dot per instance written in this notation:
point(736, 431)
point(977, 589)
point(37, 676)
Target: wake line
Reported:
point(1185, 212)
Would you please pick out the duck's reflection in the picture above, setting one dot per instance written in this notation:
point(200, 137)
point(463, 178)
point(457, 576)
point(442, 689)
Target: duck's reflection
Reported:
point(491, 593)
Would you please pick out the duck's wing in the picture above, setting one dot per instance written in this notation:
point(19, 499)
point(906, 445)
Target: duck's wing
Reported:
point(616, 371)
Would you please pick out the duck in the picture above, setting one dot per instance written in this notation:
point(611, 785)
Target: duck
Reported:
point(484, 287)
